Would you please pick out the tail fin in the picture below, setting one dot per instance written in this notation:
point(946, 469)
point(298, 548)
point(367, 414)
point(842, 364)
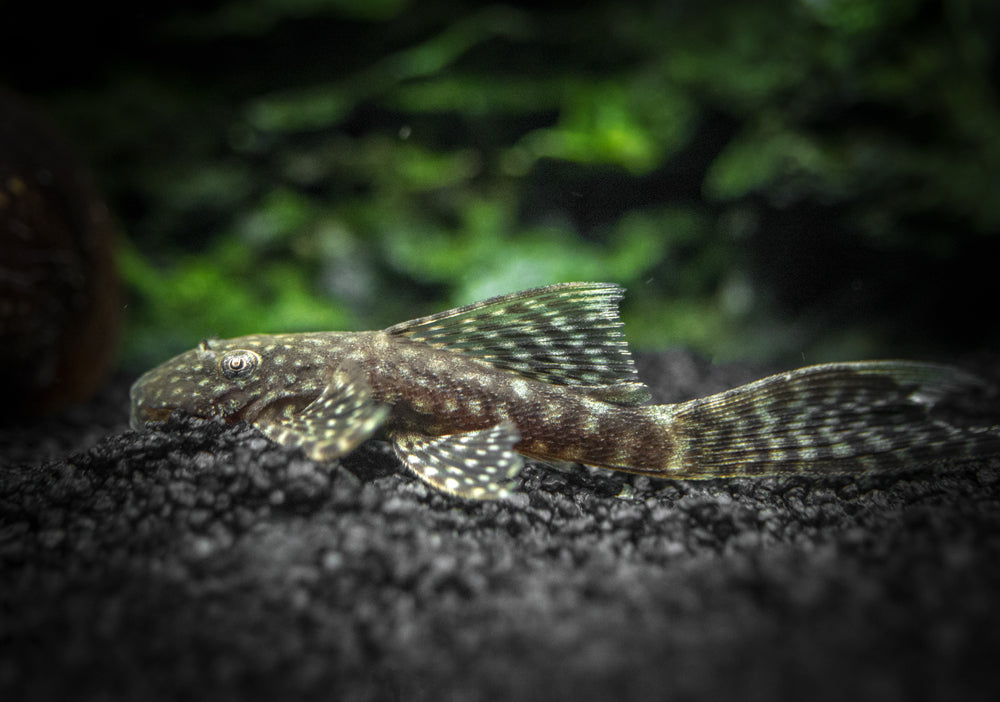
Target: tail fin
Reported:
point(843, 417)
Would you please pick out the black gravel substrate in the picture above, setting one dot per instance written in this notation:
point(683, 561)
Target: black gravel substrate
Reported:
point(203, 562)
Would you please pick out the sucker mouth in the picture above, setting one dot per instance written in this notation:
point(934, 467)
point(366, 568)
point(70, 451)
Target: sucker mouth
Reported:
point(143, 417)
point(274, 410)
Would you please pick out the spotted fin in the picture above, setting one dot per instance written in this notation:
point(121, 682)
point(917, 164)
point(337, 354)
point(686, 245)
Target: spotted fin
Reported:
point(476, 464)
point(868, 415)
point(336, 422)
point(567, 334)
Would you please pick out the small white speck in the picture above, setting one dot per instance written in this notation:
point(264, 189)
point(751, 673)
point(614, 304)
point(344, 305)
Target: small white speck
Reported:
point(520, 388)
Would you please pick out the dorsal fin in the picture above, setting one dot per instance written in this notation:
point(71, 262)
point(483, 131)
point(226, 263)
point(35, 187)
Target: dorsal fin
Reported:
point(566, 334)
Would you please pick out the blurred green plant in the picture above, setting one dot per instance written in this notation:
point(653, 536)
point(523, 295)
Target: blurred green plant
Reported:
point(337, 164)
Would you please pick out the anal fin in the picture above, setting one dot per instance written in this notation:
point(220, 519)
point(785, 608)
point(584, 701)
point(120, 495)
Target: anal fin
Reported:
point(476, 464)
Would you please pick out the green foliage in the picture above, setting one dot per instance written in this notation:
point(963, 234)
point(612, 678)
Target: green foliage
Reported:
point(215, 289)
point(342, 164)
point(635, 126)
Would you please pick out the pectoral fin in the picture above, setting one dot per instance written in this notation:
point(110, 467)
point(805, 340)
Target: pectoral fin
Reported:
point(336, 422)
point(475, 464)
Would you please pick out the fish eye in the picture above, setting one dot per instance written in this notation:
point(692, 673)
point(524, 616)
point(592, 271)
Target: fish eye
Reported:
point(239, 364)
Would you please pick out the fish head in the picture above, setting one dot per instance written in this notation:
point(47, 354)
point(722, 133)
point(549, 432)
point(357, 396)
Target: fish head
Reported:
point(229, 379)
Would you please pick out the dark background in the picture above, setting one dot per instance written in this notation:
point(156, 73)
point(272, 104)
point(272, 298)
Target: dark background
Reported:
point(771, 180)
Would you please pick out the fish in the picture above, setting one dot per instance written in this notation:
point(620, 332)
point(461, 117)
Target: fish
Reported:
point(465, 395)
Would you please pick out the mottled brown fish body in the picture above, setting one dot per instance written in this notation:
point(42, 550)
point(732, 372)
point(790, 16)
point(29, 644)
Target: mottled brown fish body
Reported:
point(435, 391)
point(547, 374)
point(628, 439)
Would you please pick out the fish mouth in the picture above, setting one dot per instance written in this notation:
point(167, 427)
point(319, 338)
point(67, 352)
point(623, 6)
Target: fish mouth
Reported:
point(274, 410)
point(140, 418)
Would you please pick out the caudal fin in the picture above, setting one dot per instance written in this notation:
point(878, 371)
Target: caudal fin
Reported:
point(843, 417)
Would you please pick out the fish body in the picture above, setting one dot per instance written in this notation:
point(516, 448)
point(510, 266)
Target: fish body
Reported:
point(547, 374)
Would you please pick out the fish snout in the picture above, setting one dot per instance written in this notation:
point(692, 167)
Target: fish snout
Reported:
point(145, 405)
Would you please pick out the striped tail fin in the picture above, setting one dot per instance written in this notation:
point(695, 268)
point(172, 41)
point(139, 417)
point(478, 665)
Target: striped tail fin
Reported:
point(837, 418)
